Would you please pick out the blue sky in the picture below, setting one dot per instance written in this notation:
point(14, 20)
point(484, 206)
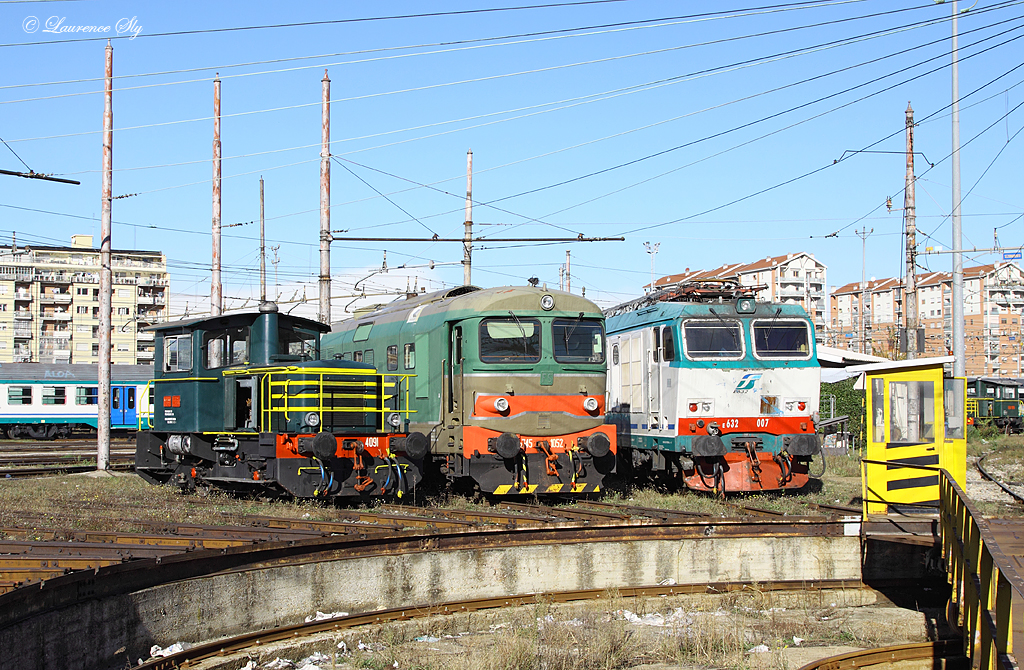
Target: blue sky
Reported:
point(711, 128)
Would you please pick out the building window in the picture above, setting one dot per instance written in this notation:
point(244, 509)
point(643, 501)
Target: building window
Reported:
point(81, 290)
point(19, 395)
point(81, 310)
point(54, 395)
point(123, 311)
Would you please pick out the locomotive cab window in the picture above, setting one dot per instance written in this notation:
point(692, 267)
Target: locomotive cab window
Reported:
point(668, 345)
point(775, 338)
point(297, 344)
point(178, 353)
point(510, 340)
point(578, 340)
point(703, 339)
point(226, 347)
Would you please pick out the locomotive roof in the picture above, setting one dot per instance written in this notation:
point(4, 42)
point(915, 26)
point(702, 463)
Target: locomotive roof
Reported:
point(72, 372)
point(661, 311)
point(238, 318)
point(474, 299)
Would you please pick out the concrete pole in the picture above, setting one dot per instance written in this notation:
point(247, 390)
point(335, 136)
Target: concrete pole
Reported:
point(263, 252)
point(959, 350)
point(325, 202)
point(106, 279)
point(863, 235)
point(568, 277)
point(467, 243)
point(909, 206)
point(216, 291)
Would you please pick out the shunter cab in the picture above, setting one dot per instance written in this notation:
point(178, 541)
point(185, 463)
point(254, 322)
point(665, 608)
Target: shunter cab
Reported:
point(994, 400)
point(243, 402)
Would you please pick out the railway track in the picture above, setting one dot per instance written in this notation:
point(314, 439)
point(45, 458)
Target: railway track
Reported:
point(1013, 489)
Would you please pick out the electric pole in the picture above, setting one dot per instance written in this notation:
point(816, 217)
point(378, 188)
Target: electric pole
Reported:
point(263, 252)
point(106, 276)
point(568, 277)
point(216, 291)
point(467, 244)
point(910, 298)
point(652, 250)
point(957, 326)
point(325, 203)
point(863, 235)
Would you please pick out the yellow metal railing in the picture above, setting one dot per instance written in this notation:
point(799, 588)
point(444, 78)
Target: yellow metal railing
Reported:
point(292, 390)
point(987, 601)
point(972, 407)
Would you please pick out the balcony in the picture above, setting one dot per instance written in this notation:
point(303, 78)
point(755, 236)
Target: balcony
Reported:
point(56, 316)
point(22, 295)
point(22, 315)
point(144, 355)
point(56, 298)
point(53, 277)
point(146, 336)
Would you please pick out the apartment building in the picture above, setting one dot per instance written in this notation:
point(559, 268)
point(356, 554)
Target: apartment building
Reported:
point(796, 278)
point(49, 303)
point(993, 310)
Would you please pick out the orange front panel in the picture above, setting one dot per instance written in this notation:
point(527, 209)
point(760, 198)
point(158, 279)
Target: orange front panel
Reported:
point(483, 405)
point(474, 439)
point(740, 474)
point(773, 425)
point(288, 446)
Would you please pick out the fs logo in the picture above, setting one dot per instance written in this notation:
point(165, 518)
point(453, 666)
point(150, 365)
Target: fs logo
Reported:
point(747, 382)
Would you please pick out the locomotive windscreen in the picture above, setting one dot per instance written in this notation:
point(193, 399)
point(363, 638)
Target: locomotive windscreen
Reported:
point(510, 340)
point(713, 339)
point(577, 341)
point(781, 339)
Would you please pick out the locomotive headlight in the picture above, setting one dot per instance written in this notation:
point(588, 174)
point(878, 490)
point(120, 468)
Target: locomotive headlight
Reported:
point(394, 419)
point(501, 405)
point(312, 419)
point(590, 404)
point(547, 303)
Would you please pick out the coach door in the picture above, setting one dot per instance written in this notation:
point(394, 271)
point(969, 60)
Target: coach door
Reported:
point(454, 379)
point(663, 396)
point(123, 407)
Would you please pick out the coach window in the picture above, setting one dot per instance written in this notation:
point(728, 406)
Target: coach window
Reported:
point(362, 332)
point(578, 341)
point(87, 395)
point(19, 395)
point(357, 356)
point(706, 339)
point(178, 353)
point(410, 356)
point(368, 356)
point(512, 340)
point(774, 338)
point(226, 347)
point(393, 357)
point(54, 395)
point(615, 354)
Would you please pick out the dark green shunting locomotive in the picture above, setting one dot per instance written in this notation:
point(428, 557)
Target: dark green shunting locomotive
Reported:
point(243, 402)
point(995, 400)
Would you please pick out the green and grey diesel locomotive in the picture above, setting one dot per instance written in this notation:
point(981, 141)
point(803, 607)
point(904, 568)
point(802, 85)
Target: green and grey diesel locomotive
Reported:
point(509, 390)
point(243, 402)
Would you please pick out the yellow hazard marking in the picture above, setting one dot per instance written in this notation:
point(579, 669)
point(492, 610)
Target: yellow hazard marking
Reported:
point(502, 490)
point(555, 488)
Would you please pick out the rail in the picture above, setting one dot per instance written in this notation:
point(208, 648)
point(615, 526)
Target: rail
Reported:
point(987, 601)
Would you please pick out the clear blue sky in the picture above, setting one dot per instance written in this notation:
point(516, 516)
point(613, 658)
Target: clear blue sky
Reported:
point(682, 108)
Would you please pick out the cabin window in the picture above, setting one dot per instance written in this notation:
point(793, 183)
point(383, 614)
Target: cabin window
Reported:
point(774, 338)
point(226, 347)
point(19, 395)
point(393, 358)
point(713, 339)
point(878, 410)
point(953, 406)
point(301, 343)
point(668, 344)
point(911, 412)
point(510, 340)
point(54, 395)
point(362, 332)
point(87, 395)
point(410, 356)
point(578, 340)
point(178, 353)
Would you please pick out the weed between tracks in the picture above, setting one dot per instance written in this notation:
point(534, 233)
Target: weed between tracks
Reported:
point(751, 630)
